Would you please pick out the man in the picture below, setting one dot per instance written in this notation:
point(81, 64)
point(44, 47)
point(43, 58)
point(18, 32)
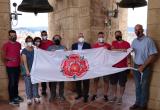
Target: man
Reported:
point(101, 43)
point(80, 45)
point(145, 53)
point(45, 43)
point(11, 55)
point(57, 41)
point(119, 45)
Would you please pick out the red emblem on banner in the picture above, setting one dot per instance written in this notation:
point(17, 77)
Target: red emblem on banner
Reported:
point(74, 66)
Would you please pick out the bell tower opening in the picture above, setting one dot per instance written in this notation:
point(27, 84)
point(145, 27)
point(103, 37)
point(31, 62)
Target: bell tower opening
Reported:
point(27, 23)
point(136, 16)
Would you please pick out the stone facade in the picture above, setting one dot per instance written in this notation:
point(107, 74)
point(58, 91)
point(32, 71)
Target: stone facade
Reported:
point(5, 25)
point(71, 17)
point(153, 30)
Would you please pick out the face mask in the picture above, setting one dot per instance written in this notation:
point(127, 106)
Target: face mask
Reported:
point(37, 43)
point(138, 33)
point(13, 38)
point(29, 44)
point(57, 41)
point(118, 38)
point(81, 39)
point(44, 37)
point(101, 40)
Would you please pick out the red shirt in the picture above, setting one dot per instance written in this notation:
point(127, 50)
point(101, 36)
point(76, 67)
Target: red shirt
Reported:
point(45, 44)
point(106, 45)
point(12, 53)
point(121, 45)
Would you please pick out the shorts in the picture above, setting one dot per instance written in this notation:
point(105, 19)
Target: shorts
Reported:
point(120, 77)
point(105, 78)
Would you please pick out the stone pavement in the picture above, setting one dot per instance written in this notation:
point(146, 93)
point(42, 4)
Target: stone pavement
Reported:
point(72, 104)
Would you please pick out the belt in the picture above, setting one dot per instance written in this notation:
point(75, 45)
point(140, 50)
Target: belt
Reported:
point(138, 65)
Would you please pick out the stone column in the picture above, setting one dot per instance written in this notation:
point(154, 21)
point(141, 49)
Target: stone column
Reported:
point(4, 27)
point(153, 29)
point(88, 16)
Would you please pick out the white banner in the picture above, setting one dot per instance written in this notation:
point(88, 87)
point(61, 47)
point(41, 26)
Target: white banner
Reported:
point(75, 65)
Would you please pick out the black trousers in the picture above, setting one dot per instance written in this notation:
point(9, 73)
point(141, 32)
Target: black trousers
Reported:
point(13, 80)
point(53, 86)
point(82, 90)
point(44, 86)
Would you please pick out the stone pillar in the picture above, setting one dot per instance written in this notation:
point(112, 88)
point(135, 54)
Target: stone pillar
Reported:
point(4, 27)
point(88, 16)
point(153, 30)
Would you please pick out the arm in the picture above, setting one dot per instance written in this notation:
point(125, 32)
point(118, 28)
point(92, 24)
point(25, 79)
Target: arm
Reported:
point(149, 61)
point(123, 50)
point(24, 60)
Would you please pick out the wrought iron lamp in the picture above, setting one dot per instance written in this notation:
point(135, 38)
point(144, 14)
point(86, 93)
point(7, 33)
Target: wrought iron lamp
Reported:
point(14, 15)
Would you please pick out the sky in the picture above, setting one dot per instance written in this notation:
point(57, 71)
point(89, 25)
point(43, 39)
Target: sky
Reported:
point(136, 16)
point(29, 19)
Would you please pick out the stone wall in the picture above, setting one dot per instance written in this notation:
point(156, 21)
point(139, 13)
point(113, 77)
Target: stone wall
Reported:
point(4, 27)
point(88, 16)
point(153, 29)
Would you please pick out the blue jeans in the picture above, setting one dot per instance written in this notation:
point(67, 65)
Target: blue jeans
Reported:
point(31, 89)
point(142, 86)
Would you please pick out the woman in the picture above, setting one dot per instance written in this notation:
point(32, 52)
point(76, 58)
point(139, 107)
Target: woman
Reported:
point(37, 41)
point(27, 60)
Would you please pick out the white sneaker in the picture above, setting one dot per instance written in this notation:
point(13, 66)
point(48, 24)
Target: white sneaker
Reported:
point(29, 101)
point(113, 99)
point(37, 100)
point(119, 101)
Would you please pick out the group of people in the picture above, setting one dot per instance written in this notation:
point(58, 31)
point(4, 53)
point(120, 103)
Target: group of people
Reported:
point(143, 47)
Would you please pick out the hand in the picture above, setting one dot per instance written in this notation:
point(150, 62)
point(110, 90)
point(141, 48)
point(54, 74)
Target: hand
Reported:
point(11, 59)
point(124, 50)
point(141, 69)
point(27, 73)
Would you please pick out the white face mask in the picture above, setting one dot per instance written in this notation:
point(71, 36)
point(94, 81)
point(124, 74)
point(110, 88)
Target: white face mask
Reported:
point(44, 37)
point(37, 43)
point(81, 39)
point(101, 40)
point(29, 44)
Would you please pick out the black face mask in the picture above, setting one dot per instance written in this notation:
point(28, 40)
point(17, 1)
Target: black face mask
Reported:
point(13, 38)
point(57, 42)
point(118, 38)
point(138, 33)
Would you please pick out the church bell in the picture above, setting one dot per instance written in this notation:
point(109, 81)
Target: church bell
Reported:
point(132, 3)
point(35, 6)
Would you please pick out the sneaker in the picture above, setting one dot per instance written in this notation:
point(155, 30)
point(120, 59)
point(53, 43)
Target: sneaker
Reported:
point(106, 98)
point(78, 97)
point(29, 101)
point(52, 98)
point(93, 97)
point(134, 107)
point(44, 93)
point(113, 99)
point(19, 99)
point(143, 108)
point(15, 103)
point(119, 101)
point(37, 100)
point(85, 100)
point(62, 98)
